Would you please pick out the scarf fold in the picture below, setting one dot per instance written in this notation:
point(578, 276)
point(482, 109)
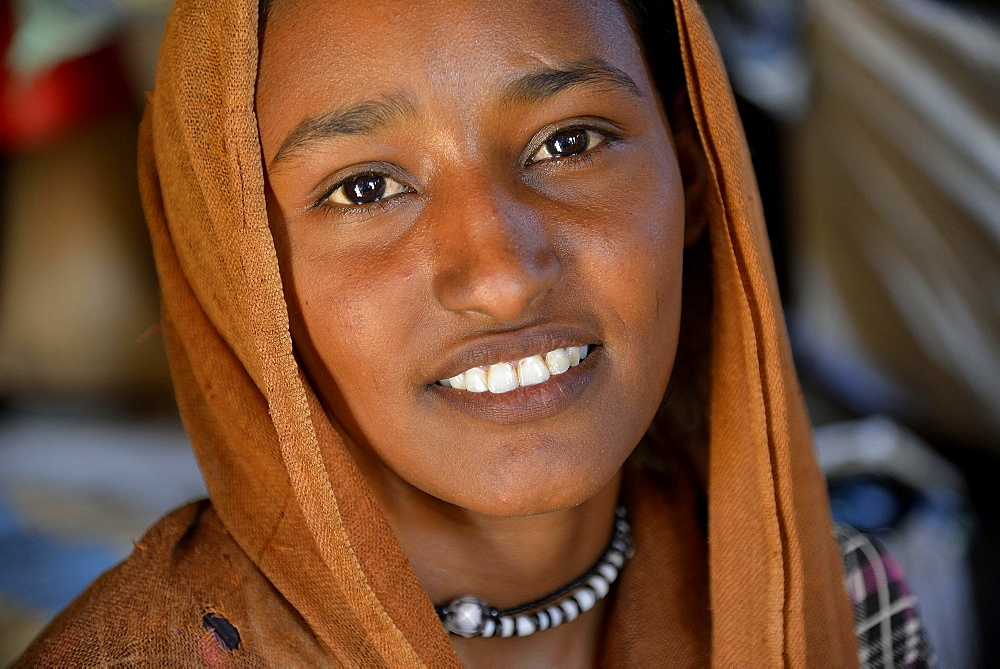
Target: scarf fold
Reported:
point(775, 577)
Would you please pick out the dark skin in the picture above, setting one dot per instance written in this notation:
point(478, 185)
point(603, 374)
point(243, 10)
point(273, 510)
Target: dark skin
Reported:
point(474, 183)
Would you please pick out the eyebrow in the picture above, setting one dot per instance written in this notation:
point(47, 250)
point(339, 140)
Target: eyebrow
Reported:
point(363, 118)
point(548, 82)
point(370, 116)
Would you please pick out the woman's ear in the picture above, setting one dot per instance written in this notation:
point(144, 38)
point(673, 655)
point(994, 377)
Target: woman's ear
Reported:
point(693, 166)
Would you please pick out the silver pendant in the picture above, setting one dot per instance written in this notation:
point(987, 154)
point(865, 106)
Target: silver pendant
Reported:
point(466, 616)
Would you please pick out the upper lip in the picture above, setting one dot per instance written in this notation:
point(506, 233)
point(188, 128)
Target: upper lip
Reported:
point(505, 346)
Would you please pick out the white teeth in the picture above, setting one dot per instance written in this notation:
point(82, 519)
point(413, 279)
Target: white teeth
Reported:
point(557, 361)
point(475, 380)
point(505, 376)
point(532, 371)
point(501, 378)
point(574, 355)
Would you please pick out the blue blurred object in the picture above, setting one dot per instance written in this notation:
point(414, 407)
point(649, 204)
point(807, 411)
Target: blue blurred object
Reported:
point(41, 572)
point(870, 502)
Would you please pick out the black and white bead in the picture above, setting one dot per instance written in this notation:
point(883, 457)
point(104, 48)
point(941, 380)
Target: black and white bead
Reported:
point(470, 617)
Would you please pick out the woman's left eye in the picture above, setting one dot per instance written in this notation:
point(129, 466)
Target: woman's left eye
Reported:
point(366, 188)
point(570, 142)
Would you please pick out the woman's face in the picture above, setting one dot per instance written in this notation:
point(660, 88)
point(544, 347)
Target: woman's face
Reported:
point(458, 185)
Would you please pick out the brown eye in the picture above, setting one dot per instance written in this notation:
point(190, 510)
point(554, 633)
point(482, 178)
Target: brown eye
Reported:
point(366, 188)
point(567, 143)
point(362, 189)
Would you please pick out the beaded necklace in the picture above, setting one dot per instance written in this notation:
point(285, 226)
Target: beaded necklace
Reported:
point(468, 616)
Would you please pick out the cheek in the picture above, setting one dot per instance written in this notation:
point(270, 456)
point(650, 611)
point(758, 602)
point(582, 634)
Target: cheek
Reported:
point(356, 308)
point(634, 244)
point(633, 263)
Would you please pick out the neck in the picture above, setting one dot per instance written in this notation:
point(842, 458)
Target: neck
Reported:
point(508, 562)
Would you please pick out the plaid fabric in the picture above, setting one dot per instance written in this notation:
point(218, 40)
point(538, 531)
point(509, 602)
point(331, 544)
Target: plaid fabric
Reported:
point(889, 630)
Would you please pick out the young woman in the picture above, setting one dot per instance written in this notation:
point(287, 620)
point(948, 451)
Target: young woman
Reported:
point(428, 270)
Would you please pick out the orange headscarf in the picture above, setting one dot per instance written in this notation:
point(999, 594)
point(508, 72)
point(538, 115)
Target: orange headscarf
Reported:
point(293, 553)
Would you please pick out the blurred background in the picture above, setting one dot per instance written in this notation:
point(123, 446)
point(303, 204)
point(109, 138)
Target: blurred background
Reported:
point(874, 127)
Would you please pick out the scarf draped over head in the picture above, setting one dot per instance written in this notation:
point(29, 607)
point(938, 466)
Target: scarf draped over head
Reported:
point(293, 562)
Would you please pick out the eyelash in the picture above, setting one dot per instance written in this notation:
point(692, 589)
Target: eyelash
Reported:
point(607, 138)
point(586, 157)
point(326, 203)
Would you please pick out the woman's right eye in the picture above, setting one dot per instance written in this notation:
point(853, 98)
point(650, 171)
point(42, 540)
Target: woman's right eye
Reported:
point(568, 143)
point(361, 189)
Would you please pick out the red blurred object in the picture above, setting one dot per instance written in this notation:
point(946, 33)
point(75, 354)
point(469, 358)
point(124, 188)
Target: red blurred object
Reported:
point(68, 96)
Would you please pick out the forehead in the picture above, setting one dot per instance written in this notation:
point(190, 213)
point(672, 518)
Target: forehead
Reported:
point(444, 27)
point(316, 52)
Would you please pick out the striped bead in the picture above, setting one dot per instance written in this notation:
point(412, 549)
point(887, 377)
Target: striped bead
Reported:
point(506, 627)
point(608, 571)
point(556, 615)
point(599, 585)
point(585, 599)
point(524, 625)
point(489, 627)
point(570, 608)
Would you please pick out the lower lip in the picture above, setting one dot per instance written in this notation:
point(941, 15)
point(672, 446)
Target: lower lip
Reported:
point(525, 403)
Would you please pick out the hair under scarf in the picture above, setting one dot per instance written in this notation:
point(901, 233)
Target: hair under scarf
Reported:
point(293, 555)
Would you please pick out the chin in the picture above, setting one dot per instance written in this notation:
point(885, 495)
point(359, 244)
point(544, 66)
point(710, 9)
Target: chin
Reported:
point(536, 483)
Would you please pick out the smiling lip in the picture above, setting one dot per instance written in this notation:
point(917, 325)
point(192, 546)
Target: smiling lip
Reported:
point(507, 346)
point(525, 403)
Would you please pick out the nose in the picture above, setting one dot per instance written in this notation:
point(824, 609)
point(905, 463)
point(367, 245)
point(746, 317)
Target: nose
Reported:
point(495, 257)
